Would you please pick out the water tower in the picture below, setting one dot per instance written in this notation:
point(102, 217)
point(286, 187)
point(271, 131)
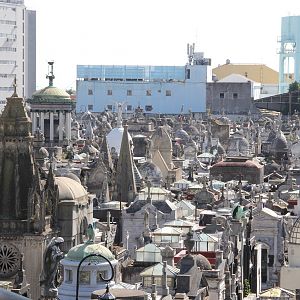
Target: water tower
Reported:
point(289, 52)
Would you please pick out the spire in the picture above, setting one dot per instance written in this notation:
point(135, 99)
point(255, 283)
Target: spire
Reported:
point(17, 170)
point(106, 155)
point(126, 185)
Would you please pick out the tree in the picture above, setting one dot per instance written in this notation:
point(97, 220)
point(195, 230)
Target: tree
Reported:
point(295, 86)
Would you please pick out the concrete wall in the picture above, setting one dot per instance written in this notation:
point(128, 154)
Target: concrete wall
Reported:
point(237, 97)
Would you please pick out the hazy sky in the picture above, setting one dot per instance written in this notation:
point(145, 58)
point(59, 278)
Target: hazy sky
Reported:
point(132, 32)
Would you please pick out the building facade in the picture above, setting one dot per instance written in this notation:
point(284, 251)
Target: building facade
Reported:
point(229, 97)
point(157, 89)
point(17, 49)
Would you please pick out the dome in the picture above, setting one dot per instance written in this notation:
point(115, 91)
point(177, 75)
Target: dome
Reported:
point(152, 172)
point(202, 262)
point(51, 94)
point(43, 152)
point(279, 143)
point(69, 189)
point(73, 176)
point(188, 262)
point(114, 138)
point(295, 233)
point(203, 198)
point(78, 252)
point(192, 130)
point(182, 134)
point(224, 120)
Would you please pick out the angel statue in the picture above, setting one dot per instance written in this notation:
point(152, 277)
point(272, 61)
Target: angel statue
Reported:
point(52, 257)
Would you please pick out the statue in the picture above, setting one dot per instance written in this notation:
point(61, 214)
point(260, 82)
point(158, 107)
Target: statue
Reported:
point(90, 233)
point(52, 257)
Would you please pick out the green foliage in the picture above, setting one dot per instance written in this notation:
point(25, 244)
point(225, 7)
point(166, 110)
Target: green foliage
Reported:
point(295, 86)
point(247, 289)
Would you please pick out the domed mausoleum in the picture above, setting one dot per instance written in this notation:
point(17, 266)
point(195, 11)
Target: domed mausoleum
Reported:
point(50, 110)
point(89, 273)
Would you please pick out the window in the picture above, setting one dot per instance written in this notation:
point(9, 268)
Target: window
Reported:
point(109, 92)
point(103, 274)
point(90, 92)
point(148, 107)
point(129, 107)
point(69, 276)
point(11, 49)
point(7, 62)
point(109, 107)
point(264, 265)
point(148, 281)
point(90, 107)
point(188, 74)
point(148, 93)
point(129, 92)
point(235, 95)
point(84, 277)
point(168, 93)
point(222, 95)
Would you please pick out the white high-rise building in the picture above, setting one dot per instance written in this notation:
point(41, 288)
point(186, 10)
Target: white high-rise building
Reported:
point(17, 49)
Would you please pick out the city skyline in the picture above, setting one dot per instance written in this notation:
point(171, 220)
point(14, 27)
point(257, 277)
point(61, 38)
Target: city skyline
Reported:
point(143, 33)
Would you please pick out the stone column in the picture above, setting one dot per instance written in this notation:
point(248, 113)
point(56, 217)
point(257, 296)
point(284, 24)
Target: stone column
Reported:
point(42, 122)
point(60, 128)
point(51, 127)
point(31, 117)
point(34, 121)
point(68, 126)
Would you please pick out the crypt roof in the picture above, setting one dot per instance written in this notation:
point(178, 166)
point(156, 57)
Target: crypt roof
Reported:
point(69, 189)
point(78, 252)
point(51, 94)
point(165, 206)
point(157, 270)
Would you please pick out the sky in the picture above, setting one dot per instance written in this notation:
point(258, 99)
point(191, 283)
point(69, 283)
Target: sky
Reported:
point(156, 32)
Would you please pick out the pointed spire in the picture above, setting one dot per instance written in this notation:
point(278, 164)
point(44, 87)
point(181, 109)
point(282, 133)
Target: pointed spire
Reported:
point(106, 155)
point(126, 185)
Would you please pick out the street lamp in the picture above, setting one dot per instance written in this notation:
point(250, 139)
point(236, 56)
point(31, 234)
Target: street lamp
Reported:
point(107, 293)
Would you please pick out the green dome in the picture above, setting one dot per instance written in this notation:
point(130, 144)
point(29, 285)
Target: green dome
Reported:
point(78, 252)
point(51, 94)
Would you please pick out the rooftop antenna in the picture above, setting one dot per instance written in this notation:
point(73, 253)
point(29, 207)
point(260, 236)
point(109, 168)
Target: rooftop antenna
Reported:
point(190, 52)
point(50, 75)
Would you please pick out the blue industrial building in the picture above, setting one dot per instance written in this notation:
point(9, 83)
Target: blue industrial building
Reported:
point(156, 89)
